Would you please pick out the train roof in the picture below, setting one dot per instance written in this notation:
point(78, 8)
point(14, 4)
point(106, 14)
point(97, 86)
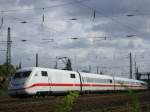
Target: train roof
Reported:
point(83, 73)
point(41, 68)
point(95, 75)
point(92, 75)
point(127, 79)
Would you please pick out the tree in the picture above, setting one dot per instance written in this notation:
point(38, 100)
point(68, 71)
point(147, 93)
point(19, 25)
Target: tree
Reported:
point(6, 70)
point(68, 65)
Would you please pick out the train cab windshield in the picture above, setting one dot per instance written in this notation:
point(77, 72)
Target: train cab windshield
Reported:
point(144, 84)
point(23, 74)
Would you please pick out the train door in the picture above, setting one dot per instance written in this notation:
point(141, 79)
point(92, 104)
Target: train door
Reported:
point(49, 82)
point(46, 82)
point(114, 83)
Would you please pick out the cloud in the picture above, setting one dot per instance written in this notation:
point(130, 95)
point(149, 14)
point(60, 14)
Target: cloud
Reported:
point(54, 37)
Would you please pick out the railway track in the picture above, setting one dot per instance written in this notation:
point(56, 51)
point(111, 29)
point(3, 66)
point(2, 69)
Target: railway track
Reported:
point(116, 102)
point(28, 104)
point(13, 100)
point(145, 106)
point(112, 103)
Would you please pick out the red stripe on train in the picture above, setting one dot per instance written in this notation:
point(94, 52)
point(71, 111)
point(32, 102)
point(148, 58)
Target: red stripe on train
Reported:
point(54, 84)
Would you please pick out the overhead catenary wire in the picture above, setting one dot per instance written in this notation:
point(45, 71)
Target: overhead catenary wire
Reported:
point(81, 3)
point(113, 19)
point(40, 8)
point(94, 15)
point(71, 35)
point(68, 3)
point(43, 16)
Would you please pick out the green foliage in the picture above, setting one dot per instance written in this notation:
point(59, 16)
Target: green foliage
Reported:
point(135, 105)
point(6, 70)
point(4, 88)
point(67, 103)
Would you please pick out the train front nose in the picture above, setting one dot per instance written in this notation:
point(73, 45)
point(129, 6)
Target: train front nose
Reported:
point(16, 87)
point(18, 83)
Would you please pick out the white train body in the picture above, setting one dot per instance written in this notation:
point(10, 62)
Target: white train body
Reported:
point(35, 80)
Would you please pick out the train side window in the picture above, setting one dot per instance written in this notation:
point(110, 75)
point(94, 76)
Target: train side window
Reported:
point(72, 76)
point(110, 81)
point(44, 73)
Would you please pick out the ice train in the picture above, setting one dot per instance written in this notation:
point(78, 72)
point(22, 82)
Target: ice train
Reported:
point(36, 81)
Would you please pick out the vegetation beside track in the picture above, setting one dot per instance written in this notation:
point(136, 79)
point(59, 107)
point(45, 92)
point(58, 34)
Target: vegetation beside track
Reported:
point(5, 72)
point(66, 104)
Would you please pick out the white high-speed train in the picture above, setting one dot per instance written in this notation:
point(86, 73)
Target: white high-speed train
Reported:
point(36, 80)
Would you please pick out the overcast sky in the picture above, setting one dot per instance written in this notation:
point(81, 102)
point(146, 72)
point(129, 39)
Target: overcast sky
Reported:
point(49, 30)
